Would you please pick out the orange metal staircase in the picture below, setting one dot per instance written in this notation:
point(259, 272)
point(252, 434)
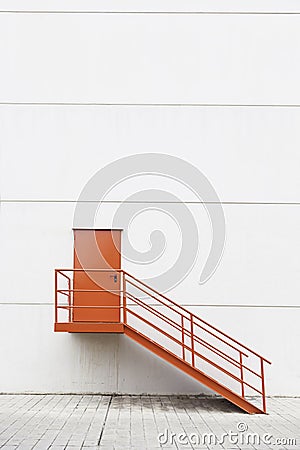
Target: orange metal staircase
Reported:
point(173, 333)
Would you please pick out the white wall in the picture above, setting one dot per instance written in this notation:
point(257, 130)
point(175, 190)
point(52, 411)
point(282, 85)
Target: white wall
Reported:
point(64, 83)
point(150, 58)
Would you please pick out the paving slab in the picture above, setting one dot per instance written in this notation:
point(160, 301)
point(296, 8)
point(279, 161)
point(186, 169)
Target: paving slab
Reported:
point(121, 422)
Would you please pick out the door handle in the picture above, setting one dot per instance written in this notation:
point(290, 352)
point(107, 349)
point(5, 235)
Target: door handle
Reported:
point(115, 277)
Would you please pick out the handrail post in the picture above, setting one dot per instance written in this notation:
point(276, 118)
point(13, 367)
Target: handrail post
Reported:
point(124, 300)
point(55, 288)
point(69, 299)
point(182, 337)
point(72, 296)
point(263, 385)
point(192, 340)
point(242, 375)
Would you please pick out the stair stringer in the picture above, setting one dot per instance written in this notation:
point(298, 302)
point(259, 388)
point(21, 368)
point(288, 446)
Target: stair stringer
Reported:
point(197, 374)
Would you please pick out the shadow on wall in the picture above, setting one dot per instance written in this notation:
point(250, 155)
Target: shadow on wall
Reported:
point(113, 363)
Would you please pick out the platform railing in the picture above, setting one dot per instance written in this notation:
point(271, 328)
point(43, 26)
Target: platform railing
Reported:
point(170, 325)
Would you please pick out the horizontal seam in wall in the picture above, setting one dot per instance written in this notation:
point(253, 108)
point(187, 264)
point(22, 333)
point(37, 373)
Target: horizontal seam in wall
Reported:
point(152, 202)
point(168, 105)
point(214, 13)
point(207, 305)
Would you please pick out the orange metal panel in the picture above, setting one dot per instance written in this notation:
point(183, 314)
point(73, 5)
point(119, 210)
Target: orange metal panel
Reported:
point(97, 249)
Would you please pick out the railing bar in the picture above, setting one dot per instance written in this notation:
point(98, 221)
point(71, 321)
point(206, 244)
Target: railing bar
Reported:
point(55, 288)
point(158, 329)
point(197, 317)
point(188, 348)
point(252, 387)
point(90, 270)
point(158, 314)
point(188, 318)
point(252, 371)
point(221, 339)
point(124, 299)
point(99, 306)
point(176, 340)
point(178, 306)
point(180, 343)
point(209, 332)
point(150, 295)
point(69, 299)
point(192, 341)
point(242, 376)
point(63, 274)
point(232, 339)
point(187, 332)
point(182, 337)
point(93, 306)
point(72, 298)
point(169, 300)
point(263, 385)
point(88, 290)
point(158, 293)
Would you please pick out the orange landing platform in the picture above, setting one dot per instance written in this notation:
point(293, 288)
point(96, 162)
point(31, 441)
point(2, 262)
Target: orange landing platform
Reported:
point(89, 327)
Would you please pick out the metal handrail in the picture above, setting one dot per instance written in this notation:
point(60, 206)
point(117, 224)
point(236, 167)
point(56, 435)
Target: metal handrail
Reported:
point(217, 366)
point(189, 318)
point(185, 315)
point(185, 331)
point(196, 317)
